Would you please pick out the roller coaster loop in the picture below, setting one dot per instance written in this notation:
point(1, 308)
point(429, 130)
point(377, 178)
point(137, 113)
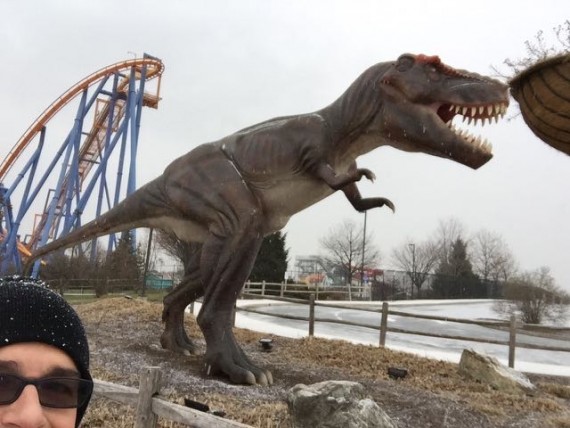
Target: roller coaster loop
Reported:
point(107, 117)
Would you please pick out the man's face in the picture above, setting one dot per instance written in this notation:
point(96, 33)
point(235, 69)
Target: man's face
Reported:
point(35, 361)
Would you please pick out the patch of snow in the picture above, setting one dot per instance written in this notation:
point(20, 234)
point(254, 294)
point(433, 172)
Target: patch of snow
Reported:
point(527, 360)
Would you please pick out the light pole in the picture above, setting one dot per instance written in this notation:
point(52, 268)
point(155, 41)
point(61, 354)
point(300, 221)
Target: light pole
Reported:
point(363, 252)
point(413, 248)
point(147, 261)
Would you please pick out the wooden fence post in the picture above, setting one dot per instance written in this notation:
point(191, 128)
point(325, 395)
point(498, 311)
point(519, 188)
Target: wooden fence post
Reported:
point(263, 288)
point(383, 324)
point(149, 384)
point(311, 315)
point(282, 289)
point(512, 341)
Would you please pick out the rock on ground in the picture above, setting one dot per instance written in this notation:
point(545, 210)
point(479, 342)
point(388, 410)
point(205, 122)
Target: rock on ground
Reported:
point(490, 371)
point(335, 404)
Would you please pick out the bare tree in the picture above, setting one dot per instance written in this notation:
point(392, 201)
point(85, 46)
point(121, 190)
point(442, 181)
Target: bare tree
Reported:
point(175, 247)
point(491, 257)
point(343, 250)
point(535, 297)
point(538, 49)
point(448, 232)
point(417, 260)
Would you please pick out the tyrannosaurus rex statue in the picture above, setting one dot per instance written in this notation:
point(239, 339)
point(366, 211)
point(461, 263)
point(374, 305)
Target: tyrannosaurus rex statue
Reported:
point(229, 194)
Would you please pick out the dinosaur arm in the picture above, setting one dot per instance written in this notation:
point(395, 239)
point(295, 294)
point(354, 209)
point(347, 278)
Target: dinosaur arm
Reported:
point(363, 204)
point(335, 181)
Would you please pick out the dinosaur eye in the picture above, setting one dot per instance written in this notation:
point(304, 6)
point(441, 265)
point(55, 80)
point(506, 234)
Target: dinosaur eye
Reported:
point(433, 73)
point(404, 63)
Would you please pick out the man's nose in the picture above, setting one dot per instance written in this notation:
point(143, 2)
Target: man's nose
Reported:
point(26, 411)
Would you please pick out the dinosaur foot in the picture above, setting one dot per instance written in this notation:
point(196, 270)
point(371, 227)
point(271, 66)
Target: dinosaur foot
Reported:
point(238, 368)
point(176, 340)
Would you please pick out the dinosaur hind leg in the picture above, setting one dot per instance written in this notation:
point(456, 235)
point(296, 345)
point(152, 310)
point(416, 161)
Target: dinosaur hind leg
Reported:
point(226, 264)
point(175, 303)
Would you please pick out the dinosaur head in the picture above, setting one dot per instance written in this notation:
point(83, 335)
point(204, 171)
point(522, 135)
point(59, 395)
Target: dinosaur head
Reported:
point(423, 96)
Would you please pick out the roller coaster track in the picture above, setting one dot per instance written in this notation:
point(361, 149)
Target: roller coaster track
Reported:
point(88, 156)
point(155, 67)
point(107, 115)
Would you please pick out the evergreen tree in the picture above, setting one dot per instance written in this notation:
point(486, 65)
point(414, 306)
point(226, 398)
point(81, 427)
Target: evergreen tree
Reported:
point(271, 262)
point(124, 262)
point(455, 277)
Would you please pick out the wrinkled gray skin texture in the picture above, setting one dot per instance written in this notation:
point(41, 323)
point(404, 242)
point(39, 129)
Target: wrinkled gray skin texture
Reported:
point(228, 194)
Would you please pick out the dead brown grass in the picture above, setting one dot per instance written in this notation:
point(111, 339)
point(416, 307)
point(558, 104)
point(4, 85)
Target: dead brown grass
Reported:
point(555, 389)
point(313, 355)
point(370, 362)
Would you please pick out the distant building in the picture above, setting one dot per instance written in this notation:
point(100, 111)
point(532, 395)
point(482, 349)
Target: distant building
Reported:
point(309, 270)
point(156, 281)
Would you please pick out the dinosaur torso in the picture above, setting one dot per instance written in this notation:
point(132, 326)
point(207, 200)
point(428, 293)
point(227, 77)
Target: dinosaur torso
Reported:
point(282, 178)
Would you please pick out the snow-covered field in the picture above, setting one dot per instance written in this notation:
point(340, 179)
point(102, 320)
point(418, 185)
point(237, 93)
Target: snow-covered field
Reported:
point(527, 360)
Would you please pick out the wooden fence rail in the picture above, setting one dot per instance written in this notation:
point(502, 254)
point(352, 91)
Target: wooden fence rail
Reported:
point(384, 328)
point(149, 406)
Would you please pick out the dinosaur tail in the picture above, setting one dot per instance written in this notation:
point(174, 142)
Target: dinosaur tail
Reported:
point(132, 212)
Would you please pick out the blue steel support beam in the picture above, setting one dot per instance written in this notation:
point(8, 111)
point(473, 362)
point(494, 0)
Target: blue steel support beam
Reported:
point(57, 157)
point(118, 184)
point(9, 253)
point(103, 181)
point(91, 185)
point(132, 183)
point(9, 247)
point(74, 136)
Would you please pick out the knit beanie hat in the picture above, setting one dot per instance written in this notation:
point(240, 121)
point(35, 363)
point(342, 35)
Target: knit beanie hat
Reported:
point(31, 312)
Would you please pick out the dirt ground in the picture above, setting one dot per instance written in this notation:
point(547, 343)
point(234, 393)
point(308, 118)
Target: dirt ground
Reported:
point(124, 337)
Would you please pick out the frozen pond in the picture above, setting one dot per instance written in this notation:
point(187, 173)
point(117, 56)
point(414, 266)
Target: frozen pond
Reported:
point(529, 360)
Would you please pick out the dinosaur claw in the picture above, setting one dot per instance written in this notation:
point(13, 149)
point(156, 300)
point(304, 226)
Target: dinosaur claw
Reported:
point(390, 205)
point(365, 172)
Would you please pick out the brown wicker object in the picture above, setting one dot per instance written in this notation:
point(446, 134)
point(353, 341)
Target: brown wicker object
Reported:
point(543, 93)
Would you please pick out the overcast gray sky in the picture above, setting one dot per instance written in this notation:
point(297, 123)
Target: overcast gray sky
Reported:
point(230, 64)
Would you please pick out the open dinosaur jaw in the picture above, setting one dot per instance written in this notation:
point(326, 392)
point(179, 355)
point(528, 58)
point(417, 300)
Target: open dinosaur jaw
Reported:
point(473, 114)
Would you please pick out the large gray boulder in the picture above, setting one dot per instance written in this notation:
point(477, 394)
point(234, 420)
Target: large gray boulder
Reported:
point(335, 404)
point(488, 370)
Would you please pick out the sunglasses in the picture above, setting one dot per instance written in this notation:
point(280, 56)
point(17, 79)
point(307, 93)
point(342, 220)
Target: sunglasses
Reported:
point(56, 392)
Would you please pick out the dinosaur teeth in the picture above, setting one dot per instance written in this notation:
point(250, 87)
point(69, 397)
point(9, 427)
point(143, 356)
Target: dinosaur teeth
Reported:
point(479, 112)
point(501, 109)
point(476, 141)
point(472, 114)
